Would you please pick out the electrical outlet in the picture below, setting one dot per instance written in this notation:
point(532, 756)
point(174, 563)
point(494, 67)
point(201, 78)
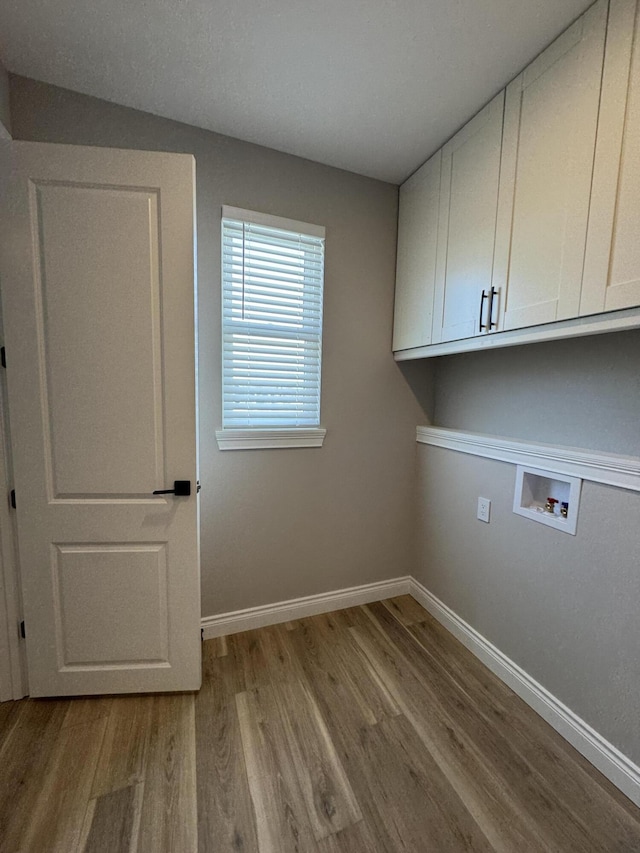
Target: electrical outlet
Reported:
point(484, 509)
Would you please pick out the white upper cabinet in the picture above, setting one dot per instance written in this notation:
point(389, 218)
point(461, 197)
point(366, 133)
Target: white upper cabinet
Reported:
point(550, 124)
point(416, 259)
point(467, 225)
point(537, 204)
point(612, 262)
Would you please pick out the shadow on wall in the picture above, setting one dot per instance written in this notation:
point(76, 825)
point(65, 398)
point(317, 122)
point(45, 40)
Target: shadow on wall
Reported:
point(420, 377)
point(583, 392)
point(5, 118)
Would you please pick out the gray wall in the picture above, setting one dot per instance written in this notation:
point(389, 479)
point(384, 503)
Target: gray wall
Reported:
point(278, 524)
point(5, 116)
point(565, 608)
point(583, 392)
point(562, 607)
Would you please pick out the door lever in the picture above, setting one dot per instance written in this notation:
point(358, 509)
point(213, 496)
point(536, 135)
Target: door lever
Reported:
point(181, 489)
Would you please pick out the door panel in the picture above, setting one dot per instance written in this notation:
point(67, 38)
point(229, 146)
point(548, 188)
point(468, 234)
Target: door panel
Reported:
point(467, 223)
point(612, 264)
point(99, 310)
point(93, 626)
point(105, 427)
point(551, 115)
point(416, 265)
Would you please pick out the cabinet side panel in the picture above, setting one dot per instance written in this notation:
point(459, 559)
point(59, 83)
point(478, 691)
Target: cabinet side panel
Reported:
point(606, 167)
point(623, 286)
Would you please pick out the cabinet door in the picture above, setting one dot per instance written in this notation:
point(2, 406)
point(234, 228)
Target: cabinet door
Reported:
point(467, 224)
point(416, 262)
point(551, 114)
point(612, 262)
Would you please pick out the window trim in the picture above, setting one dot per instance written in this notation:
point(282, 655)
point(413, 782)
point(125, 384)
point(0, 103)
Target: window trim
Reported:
point(234, 438)
point(273, 439)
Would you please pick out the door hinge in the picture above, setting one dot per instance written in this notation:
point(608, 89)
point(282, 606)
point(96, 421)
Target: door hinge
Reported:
point(12, 498)
point(23, 633)
point(202, 635)
point(3, 356)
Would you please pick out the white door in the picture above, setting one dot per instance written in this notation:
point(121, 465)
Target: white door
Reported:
point(467, 227)
point(416, 264)
point(612, 263)
point(550, 120)
point(98, 300)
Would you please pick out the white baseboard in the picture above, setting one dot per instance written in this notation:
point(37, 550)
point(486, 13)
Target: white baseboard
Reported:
point(619, 769)
point(298, 608)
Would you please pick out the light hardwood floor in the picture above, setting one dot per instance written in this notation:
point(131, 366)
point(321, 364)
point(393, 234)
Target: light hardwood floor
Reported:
point(370, 729)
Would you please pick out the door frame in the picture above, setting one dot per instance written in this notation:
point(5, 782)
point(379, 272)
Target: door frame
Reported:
point(13, 677)
point(13, 671)
point(13, 664)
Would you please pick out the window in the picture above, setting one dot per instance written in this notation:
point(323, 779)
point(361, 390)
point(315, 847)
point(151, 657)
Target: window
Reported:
point(272, 284)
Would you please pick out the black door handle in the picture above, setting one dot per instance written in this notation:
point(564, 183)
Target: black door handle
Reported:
point(181, 489)
point(493, 293)
point(480, 323)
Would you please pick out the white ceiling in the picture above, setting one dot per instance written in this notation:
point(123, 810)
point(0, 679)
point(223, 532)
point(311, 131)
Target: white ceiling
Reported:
point(372, 86)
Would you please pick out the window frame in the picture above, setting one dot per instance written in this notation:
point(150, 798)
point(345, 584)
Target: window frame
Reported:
point(268, 437)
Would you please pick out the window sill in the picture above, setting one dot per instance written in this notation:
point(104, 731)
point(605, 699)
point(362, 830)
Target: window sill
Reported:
point(262, 439)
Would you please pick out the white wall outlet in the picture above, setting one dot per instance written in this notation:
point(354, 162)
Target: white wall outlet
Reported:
point(484, 509)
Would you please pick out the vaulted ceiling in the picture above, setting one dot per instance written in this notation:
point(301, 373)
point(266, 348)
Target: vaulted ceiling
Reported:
point(372, 86)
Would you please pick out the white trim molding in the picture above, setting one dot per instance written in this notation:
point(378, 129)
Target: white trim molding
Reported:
point(619, 769)
point(262, 439)
point(611, 321)
point(608, 468)
point(299, 608)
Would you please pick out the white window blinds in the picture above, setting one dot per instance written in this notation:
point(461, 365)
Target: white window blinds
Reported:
point(272, 283)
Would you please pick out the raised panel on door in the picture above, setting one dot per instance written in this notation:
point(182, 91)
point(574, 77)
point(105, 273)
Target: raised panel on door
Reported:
point(104, 429)
point(96, 627)
point(467, 224)
point(416, 261)
point(612, 262)
point(98, 298)
point(551, 114)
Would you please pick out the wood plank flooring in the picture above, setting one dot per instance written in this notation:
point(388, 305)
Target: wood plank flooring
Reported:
point(369, 730)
